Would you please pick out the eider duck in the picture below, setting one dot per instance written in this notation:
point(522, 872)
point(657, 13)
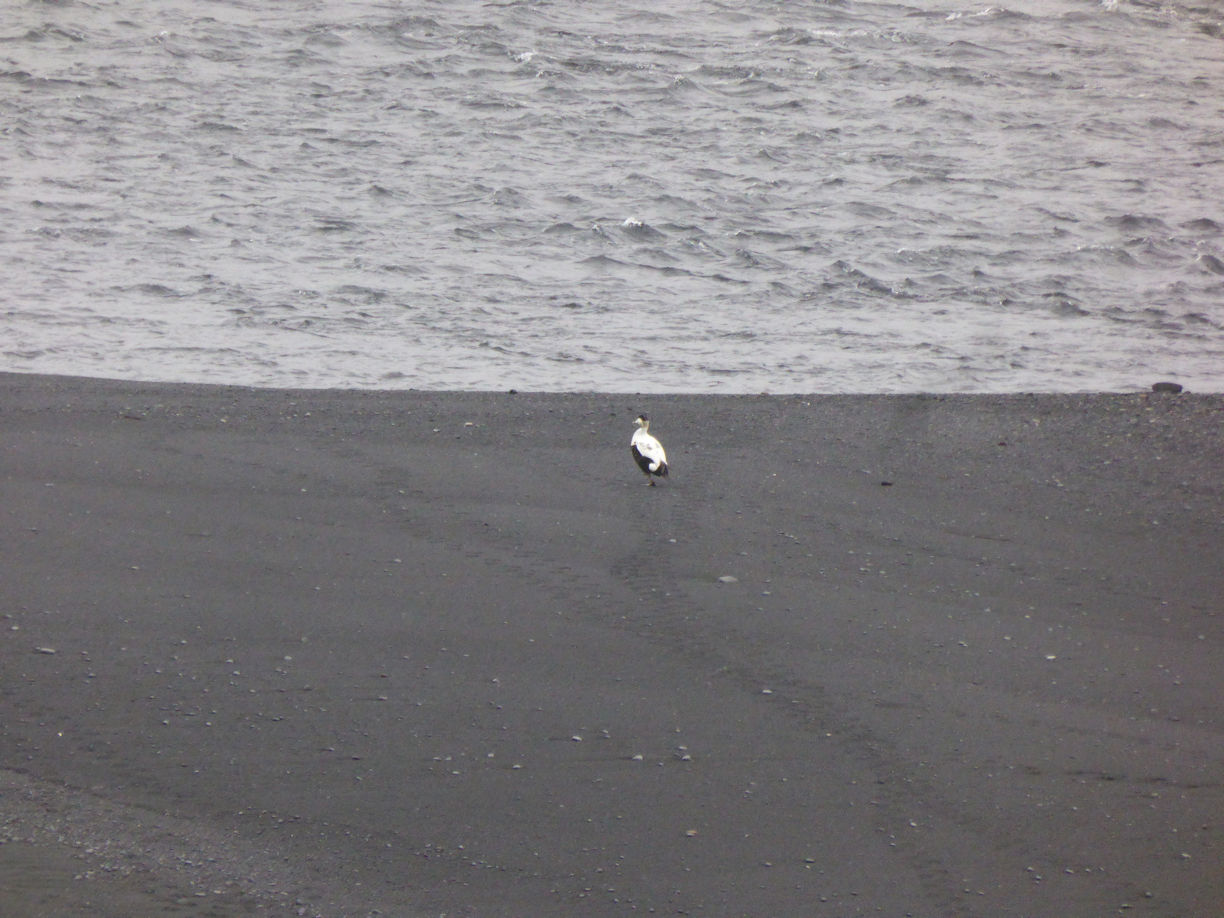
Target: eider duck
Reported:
point(647, 451)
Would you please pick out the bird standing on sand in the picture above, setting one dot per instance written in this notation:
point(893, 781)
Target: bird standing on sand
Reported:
point(647, 451)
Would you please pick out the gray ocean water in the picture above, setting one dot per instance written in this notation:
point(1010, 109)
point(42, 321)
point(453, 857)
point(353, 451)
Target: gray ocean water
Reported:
point(620, 196)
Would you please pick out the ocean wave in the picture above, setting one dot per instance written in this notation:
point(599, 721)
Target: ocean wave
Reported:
point(845, 195)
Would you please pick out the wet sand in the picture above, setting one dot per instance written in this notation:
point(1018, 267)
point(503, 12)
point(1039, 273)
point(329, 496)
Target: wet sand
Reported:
point(358, 653)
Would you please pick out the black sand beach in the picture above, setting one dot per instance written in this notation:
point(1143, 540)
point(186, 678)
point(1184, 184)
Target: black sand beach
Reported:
point(365, 653)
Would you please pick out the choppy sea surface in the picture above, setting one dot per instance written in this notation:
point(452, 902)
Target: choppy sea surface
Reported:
point(712, 195)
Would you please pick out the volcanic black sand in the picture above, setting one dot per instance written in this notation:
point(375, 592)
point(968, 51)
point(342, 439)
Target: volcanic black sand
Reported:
point(367, 653)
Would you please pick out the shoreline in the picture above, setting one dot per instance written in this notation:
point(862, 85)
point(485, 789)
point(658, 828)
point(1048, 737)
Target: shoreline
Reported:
point(341, 652)
point(1159, 386)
